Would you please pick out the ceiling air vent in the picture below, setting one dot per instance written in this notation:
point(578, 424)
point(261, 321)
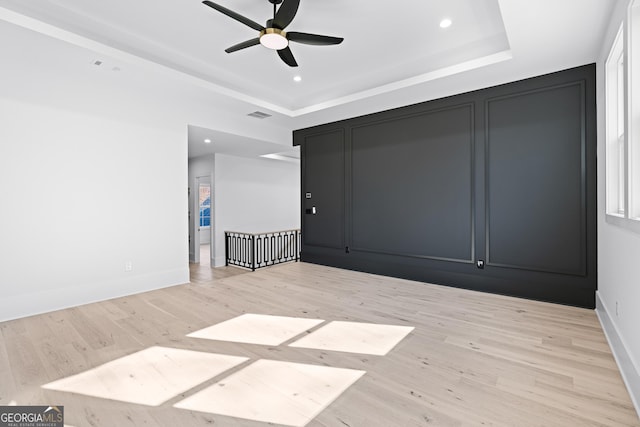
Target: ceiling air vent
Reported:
point(259, 115)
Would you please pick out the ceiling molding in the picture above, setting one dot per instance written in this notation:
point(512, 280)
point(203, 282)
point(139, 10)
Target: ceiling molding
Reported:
point(103, 49)
point(412, 81)
point(86, 43)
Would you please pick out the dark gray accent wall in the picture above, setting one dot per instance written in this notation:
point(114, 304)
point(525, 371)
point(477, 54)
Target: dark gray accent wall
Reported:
point(324, 162)
point(536, 207)
point(399, 166)
point(504, 176)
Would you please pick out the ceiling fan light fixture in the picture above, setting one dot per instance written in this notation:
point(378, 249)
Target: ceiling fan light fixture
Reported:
point(272, 35)
point(273, 38)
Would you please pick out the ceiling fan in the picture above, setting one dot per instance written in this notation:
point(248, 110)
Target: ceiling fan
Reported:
point(272, 35)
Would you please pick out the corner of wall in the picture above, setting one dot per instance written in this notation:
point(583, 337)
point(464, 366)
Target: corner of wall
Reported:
point(219, 261)
point(625, 364)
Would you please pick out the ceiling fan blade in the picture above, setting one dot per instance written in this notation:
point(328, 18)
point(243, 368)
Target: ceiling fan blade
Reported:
point(243, 45)
point(234, 15)
point(314, 39)
point(285, 14)
point(286, 55)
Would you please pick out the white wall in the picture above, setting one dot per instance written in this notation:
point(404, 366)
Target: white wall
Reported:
point(254, 195)
point(93, 172)
point(618, 254)
point(77, 207)
point(93, 176)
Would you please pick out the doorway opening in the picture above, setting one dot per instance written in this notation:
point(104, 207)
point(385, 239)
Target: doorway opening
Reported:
point(204, 233)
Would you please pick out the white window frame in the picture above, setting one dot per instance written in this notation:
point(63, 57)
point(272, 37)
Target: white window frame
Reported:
point(622, 86)
point(633, 141)
point(616, 123)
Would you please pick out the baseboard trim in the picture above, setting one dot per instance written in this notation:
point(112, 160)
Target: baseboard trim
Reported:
point(625, 364)
point(45, 301)
point(219, 261)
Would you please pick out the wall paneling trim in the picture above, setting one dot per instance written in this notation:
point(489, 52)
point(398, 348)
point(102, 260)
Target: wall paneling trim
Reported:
point(492, 190)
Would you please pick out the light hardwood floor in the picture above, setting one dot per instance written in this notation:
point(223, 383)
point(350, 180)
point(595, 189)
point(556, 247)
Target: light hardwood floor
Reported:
point(473, 359)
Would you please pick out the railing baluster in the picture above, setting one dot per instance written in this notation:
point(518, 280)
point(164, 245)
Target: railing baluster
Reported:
point(226, 249)
point(259, 253)
point(253, 254)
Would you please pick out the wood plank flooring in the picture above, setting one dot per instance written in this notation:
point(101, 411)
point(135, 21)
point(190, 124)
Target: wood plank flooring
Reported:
point(473, 359)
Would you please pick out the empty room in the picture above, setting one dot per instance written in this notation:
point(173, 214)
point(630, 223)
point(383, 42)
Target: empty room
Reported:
point(320, 213)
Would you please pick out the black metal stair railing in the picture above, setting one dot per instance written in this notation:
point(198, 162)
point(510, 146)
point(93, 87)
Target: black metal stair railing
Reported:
point(257, 250)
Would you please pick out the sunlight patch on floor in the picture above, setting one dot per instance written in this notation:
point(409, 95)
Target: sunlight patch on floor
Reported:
point(270, 391)
point(257, 329)
point(148, 377)
point(354, 337)
point(274, 392)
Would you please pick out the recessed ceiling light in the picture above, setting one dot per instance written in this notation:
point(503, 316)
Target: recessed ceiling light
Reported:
point(445, 23)
point(297, 78)
point(207, 141)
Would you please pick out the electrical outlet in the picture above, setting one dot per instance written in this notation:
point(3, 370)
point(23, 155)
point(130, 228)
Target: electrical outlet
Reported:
point(128, 266)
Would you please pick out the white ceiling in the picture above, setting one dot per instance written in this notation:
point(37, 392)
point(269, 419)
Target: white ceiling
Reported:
point(235, 145)
point(394, 53)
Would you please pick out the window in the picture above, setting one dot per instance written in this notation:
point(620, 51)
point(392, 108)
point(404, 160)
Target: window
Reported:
point(623, 124)
point(205, 205)
point(616, 142)
point(633, 143)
